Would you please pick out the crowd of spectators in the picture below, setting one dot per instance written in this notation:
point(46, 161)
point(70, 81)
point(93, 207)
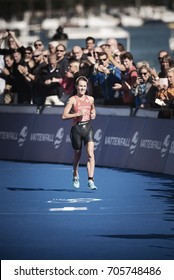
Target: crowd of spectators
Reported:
point(45, 75)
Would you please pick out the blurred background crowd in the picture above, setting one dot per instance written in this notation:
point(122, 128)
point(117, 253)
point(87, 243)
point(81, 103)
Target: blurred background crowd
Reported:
point(39, 62)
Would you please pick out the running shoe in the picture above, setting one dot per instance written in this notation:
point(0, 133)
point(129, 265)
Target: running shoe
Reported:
point(91, 185)
point(76, 182)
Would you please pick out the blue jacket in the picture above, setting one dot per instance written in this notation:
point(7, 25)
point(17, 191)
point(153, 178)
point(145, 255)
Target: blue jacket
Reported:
point(107, 81)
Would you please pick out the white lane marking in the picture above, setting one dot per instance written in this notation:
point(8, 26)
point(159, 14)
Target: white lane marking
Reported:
point(68, 209)
point(74, 200)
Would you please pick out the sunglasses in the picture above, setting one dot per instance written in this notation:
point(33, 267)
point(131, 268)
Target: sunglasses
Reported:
point(143, 73)
point(45, 55)
point(38, 45)
point(36, 55)
point(103, 59)
point(27, 52)
point(60, 50)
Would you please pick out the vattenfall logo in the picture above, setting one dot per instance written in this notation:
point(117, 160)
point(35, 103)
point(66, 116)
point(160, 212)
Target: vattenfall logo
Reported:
point(161, 146)
point(19, 137)
point(48, 137)
point(130, 143)
point(22, 136)
point(59, 138)
point(97, 138)
point(134, 142)
point(165, 145)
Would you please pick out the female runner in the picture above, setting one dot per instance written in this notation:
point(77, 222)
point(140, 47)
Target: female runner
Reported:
point(81, 109)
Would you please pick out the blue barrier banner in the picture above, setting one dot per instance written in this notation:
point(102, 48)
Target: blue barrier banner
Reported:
point(139, 143)
point(169, 166)
point(48, 140)
point(153, 145)
point(14, 133)
point(117, 141)
point(135, 127)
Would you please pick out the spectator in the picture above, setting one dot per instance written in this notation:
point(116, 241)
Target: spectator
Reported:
point(52, 45)
point(161, 54)
point(143, 89)
point(38, 45)
point(68, 81)
point(22, 87)
point(60, 35)
point(2, 81)
point(45, 55)
point(48, 80)
point(28, 57)
point(90, 45)
point(106, 75)
point(31, 76)
point(114, 79)
point(105, 47)
point(73, 69)
point(62, 60)
point(7, 75)
point(129, 79)
point(77, 54)
point(86, 70)
point(166, 63)
point(162, 74)
point(142, 63)
point(165, 96)
point(13, 44)
point(115, 59)
point(121, 47)
point(97, 50)
point(113, 45)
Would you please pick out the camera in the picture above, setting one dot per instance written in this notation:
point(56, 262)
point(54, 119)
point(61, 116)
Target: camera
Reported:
point(140, 80)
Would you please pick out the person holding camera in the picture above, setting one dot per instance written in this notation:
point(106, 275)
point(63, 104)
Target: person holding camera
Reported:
point(90, 46)
point(106, 75)
point(129, 78)
point(13, 43)
point(144, 89)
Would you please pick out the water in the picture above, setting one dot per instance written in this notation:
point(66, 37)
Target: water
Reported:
point(146, 42)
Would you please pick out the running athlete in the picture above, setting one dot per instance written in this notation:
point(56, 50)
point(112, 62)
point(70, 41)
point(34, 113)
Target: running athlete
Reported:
point(81, 109)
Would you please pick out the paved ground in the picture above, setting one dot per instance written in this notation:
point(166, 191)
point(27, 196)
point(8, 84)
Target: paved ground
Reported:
point(130, 216)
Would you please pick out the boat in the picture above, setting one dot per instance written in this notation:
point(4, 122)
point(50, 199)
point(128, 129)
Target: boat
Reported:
point(95, 21)
point(23, 29)
point(167, 16)
point(3, 24)
point(130, 20)
point(102, 34)
point(49, 25)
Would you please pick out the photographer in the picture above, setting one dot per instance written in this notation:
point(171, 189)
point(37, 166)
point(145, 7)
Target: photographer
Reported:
point(14, 45)
point(144, 89)
point(106, 75)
